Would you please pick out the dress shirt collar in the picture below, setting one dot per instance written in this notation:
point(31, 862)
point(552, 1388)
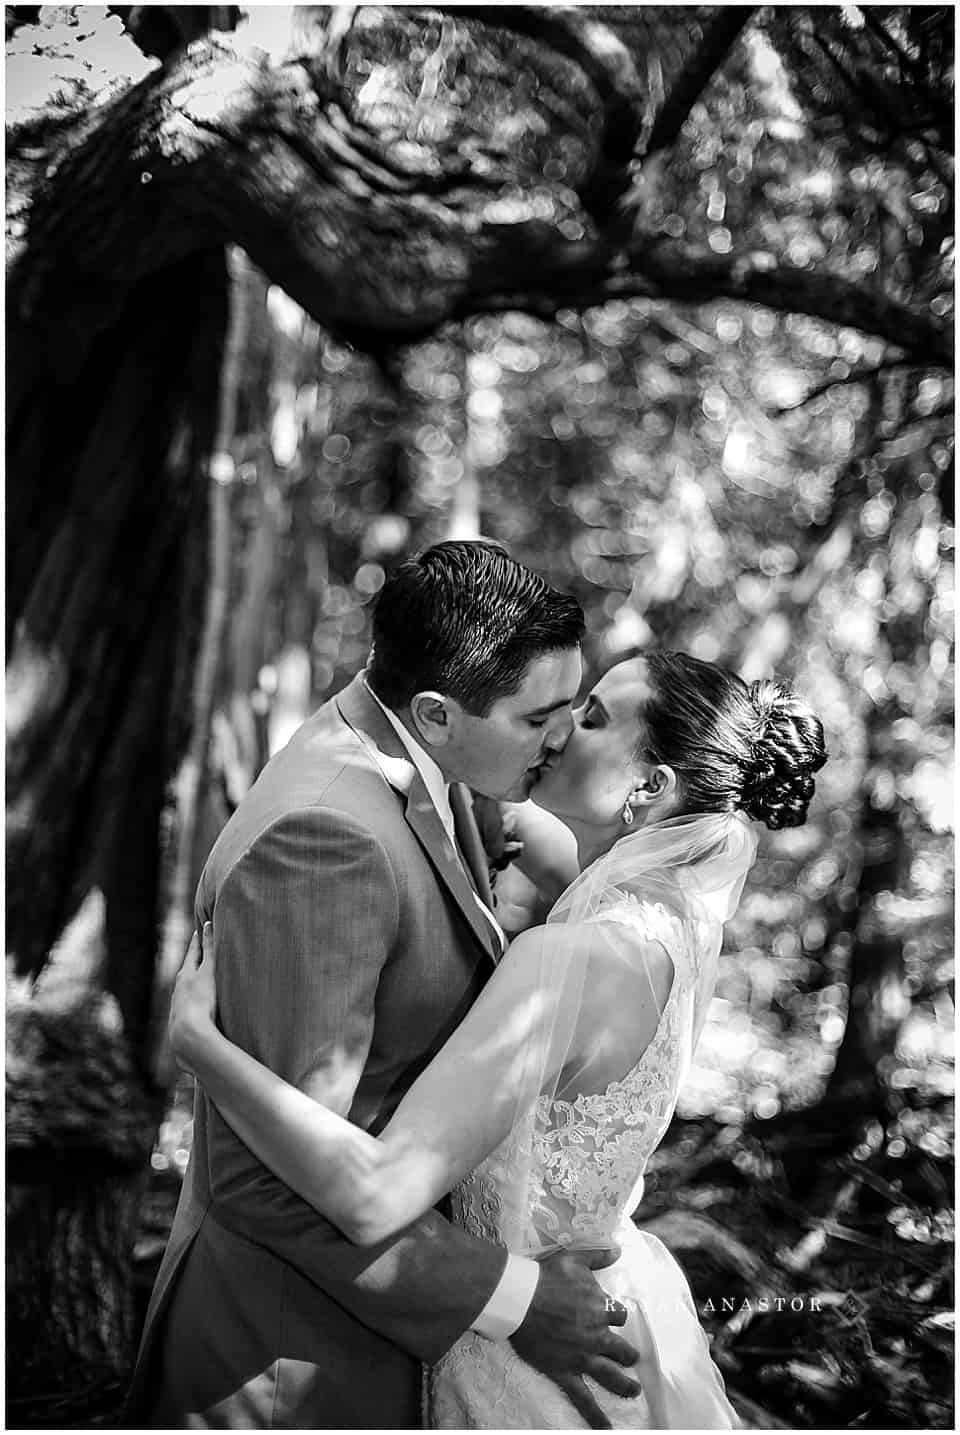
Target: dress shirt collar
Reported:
point(433, 778)
point(438, 792)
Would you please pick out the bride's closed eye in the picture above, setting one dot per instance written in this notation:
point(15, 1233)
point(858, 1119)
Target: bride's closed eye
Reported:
point(591, 714)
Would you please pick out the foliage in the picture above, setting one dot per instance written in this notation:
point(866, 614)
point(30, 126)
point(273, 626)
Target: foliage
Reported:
point(837, 1311)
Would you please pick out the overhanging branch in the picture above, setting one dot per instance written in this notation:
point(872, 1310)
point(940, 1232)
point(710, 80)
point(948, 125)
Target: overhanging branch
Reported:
point(593, 46)
point(381, 261)
point(607, 64)
point(558, 276)
point(697, 277)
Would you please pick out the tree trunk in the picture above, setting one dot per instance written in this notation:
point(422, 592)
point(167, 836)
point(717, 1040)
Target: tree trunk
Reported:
point(111, 408)
point(192, 778)
point(878, 1002)
point(79, 1129)
point(70, 1307)
point(107, 499)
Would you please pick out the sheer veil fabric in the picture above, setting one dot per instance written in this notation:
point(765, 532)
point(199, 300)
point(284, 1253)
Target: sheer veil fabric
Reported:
point(675, 882)
point(611, 993)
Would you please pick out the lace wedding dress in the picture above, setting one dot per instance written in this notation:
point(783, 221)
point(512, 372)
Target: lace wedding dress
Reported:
point(576, 1168)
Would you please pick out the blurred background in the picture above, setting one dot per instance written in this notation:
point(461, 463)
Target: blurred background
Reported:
point(662, 299)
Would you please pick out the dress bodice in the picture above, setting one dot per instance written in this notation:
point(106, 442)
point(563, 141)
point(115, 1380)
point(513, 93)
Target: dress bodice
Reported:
point(571, 1171)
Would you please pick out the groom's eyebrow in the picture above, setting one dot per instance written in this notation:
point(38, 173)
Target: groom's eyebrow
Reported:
point(546, 711)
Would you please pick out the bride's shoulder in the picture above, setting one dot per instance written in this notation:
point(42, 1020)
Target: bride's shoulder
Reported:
point(600, 960)
point(653, 919)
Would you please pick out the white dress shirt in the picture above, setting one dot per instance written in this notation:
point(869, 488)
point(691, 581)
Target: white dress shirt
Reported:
point(507, 1307)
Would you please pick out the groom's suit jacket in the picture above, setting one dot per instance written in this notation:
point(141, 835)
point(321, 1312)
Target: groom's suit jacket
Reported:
point(349, 946)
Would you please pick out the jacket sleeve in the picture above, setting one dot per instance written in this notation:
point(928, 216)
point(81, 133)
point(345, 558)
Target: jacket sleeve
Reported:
point(304, 923)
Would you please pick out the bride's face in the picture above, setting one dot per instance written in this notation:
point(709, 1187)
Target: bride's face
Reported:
point(598, 770)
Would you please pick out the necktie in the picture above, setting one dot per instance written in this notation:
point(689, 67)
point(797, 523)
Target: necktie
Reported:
point(468, 842)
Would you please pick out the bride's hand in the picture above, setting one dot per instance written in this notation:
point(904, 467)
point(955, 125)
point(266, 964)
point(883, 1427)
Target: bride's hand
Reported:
point(193, 1006)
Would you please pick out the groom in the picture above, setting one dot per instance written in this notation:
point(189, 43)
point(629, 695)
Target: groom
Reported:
point(354, 930)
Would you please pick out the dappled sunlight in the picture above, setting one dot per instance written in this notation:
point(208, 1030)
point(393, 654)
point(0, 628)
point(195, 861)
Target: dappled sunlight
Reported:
point(659, 299)
point(175, 1136)
point(37, 679)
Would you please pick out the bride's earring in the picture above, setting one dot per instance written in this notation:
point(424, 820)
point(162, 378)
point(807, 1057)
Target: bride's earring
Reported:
point(627, 814)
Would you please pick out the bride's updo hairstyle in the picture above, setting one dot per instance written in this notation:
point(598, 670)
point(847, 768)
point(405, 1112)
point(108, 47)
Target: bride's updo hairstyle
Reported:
point(733, 746)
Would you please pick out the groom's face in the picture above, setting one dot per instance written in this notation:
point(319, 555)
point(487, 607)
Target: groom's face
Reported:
point(500, 754)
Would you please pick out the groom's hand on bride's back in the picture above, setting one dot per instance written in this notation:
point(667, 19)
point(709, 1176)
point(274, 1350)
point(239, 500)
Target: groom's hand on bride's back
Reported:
point(567, 1331)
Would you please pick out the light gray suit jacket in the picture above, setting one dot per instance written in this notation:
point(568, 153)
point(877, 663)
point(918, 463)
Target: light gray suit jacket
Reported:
point(349, 947)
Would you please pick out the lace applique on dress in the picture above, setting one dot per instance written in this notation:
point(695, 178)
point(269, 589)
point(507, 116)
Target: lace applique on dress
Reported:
point(590, 1153)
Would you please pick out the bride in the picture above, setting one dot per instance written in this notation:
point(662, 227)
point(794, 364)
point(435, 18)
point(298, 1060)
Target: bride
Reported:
point(542, 1110)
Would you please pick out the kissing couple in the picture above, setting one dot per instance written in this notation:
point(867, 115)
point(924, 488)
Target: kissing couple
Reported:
point(417, 1150)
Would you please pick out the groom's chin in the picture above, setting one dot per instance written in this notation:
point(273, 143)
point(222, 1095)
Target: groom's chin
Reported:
point(519, 791)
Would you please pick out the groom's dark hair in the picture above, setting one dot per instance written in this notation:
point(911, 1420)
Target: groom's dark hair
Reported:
point(465, 619)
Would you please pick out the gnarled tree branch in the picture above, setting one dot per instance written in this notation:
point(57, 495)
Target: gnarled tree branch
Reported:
point(379, 261)
point(682, 273)
point(603, 58)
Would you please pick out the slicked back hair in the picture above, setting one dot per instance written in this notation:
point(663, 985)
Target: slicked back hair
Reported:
point(734, 747)
point(466, 620)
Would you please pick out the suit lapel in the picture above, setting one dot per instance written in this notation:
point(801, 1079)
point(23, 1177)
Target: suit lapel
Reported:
point(423, 820)
point(361, 713)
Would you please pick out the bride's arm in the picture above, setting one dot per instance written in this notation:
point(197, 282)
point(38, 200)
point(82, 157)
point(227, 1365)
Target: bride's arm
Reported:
point(548, 856)
point(460, 1108)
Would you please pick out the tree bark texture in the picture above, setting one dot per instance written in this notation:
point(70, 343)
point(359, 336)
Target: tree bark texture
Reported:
point(106, 470)
point(107, 495)
point(877, 1003)
point(382, 242)
point(192, 777)
point(71, 1312)
point(79, 1128)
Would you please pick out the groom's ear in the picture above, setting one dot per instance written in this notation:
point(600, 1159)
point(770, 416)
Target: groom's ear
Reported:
point(430, 714)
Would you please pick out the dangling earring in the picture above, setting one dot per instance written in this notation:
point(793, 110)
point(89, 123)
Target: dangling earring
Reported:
point(627, 814)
